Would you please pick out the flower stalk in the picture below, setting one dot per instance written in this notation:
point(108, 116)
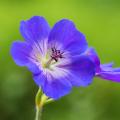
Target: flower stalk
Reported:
point(38, 114)
point(40, 100)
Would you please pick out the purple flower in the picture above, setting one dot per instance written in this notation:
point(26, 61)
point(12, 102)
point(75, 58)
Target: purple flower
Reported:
point(104, 71)
point(56, 57)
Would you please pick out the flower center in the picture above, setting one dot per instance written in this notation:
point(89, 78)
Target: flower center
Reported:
point(55, 56)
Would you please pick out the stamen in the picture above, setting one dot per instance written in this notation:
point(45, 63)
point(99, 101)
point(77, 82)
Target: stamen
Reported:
point(56, 54)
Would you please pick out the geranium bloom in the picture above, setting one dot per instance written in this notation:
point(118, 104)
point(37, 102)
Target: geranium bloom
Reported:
point(104, 71)
point(56, 56)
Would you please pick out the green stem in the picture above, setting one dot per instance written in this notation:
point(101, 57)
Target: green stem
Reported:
point(38, 113)
point(40, 100)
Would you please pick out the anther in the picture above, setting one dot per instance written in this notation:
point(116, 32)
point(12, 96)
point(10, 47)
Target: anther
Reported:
point(56, 54)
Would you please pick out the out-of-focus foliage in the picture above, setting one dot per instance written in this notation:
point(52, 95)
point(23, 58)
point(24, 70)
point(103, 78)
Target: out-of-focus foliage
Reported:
point(99, 20)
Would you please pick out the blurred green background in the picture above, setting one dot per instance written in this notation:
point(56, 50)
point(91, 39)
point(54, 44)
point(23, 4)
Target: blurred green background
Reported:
point(99, 20)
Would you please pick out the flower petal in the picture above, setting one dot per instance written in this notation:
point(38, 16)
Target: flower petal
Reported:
point(81, 70)
point(35, 29)
point(104, 71)
point(65, 34)
point(109, 73)
point(109, 65)
point(113, 76)
point(79, 73)
point(21, 53)
point(53, 87)
point(91, 53)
